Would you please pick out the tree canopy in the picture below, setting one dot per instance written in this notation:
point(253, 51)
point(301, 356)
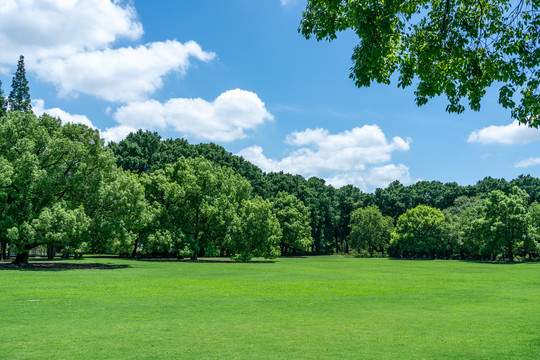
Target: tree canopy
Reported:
point(19, 97)
point(50, 172)
point(455, 48)
point(370, 230)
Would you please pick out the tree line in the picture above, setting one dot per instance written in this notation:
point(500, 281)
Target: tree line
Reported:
point(62, 187)
point(347, 220)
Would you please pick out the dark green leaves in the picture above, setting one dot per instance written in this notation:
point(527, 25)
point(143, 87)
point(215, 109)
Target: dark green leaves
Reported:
point(19, 97)
point(455, 48)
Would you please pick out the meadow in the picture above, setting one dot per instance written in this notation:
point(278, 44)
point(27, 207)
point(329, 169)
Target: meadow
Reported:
point(327, 307)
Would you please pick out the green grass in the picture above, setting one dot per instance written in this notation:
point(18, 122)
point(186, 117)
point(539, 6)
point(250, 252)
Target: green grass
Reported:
point(296, 308)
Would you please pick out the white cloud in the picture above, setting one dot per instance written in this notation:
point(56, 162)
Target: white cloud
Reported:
point(383, 175)
point(224, 119)
point(344, 158)
point(117, 133)
point(514, 133)
point(70, 43)
point(110, 134)
point(528, 162)
point(124, 74)
point(38, 107)
point(60, 28)
point(352, 178)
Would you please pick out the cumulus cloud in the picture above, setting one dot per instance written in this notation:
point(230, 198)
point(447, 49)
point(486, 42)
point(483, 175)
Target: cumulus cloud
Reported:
point(124, 74)
point(381, 176)
point(60, 28)
point(344, 158)
point(514, 133)
point(117, 133)
point(69, 43)
point(528, 162)
point(38, 107)
point(110, 134)
point(224, 119)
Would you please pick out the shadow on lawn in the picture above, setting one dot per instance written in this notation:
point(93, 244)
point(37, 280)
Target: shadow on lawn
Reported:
point(60, 266)
point(497, 262)
point(207, 260)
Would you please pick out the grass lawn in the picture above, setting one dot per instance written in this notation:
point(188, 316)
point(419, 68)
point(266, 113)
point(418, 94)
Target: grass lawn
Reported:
point(296, 308)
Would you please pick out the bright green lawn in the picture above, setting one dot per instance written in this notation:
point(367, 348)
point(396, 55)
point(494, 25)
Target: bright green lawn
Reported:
point(296, 308)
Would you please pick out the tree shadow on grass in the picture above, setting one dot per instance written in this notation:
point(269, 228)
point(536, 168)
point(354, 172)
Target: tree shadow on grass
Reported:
point(60, 266)
point(206, 260)
point(496, 262)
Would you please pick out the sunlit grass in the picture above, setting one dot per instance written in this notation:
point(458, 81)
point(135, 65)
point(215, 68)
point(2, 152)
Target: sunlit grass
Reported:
point(312, 308)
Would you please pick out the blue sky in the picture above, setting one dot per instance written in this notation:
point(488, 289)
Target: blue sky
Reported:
point(238, 73)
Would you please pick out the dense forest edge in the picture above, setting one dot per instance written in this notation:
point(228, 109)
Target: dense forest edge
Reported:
point(64, 190)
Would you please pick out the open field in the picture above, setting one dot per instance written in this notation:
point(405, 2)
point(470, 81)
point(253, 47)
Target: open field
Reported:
point(309, 308)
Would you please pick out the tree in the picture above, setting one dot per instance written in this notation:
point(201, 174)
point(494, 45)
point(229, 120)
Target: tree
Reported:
point(347, 199)
point(419, 233)
point(293, 217)
point(50, 174)
point(119, 213)
point(489, 184)
point(370, 230)
point(199, 201)
point(19, 97)
point(504, 225)
point(530, 184)
point(457, 48)
point(256, 231)
point(459, 218)
point(394, 200)
point(3, 103)
point(138, 152)
point(319, 198)
point(531, 245)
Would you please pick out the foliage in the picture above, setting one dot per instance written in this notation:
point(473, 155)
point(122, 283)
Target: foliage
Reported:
point(294, 219)
point(456, 48)
point(370, 230)
point(504, 225)
point(531, 244)
point(3, 102)
point(120, 213)
point(50, 173)
point(138, 152)
point(198, 201)
point(145, 151)
point(256, 231)
point(458, 221)
point(19, 97)
point(528, 183)
point(393, 200)
point(346, 200)
point(419, 233)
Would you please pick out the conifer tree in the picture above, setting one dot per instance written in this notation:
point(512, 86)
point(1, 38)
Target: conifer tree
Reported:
point(19, 97)
point(3, 104)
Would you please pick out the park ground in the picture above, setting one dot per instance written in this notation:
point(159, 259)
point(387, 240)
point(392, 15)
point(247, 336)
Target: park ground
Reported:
point(327, 307)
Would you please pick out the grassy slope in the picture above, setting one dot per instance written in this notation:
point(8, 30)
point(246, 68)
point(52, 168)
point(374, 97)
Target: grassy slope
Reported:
point(316, 308)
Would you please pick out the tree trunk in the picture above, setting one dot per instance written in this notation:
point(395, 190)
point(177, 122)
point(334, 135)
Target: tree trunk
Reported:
point(21, 259)
point(3, 245)
point(50, 252)
point(134, 252)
